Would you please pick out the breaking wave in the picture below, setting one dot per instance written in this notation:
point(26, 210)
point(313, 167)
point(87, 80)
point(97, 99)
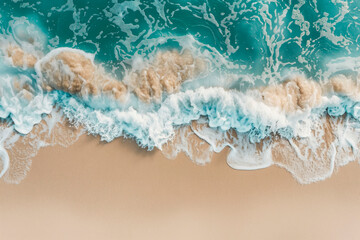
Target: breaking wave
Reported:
point(274, 82)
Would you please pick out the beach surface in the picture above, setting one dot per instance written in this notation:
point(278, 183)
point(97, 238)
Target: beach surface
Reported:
point(93, 190)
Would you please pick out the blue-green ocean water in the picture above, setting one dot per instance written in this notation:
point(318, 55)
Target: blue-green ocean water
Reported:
point(253, 37)
point(248, 43)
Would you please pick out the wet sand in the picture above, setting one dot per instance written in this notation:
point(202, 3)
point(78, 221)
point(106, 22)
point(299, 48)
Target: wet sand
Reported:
point(118, 191)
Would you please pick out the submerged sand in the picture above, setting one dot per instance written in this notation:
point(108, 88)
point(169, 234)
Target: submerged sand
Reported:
point(96, 191)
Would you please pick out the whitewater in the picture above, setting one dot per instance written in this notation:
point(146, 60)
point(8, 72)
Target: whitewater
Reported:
point(275, 82)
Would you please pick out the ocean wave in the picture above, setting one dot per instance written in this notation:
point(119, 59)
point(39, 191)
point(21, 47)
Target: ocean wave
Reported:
point(296, 108)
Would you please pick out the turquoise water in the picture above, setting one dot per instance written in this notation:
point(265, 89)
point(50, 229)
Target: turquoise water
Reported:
point(253, 37)
point(247, 44)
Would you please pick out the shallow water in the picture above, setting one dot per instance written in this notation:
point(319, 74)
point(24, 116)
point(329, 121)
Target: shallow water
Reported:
point(229, 90)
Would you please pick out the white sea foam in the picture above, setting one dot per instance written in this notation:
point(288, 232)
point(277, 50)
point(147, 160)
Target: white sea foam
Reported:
point(208, 114)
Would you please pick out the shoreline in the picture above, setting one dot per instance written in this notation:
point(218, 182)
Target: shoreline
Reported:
point(117, 190)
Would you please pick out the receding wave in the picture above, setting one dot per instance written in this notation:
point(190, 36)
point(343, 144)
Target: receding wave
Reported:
point(272, 83)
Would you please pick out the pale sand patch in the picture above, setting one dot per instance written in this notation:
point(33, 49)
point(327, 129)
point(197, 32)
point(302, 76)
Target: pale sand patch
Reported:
point(20, 58)
point(118, 191)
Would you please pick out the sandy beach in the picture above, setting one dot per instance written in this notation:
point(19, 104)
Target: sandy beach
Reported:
point(92, 190)
point(266, 85)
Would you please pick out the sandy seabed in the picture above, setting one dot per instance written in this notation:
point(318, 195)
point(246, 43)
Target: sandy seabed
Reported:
point(92, 190)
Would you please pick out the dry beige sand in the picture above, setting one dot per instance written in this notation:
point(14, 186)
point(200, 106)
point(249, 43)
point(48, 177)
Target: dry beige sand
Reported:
point(118, 191)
